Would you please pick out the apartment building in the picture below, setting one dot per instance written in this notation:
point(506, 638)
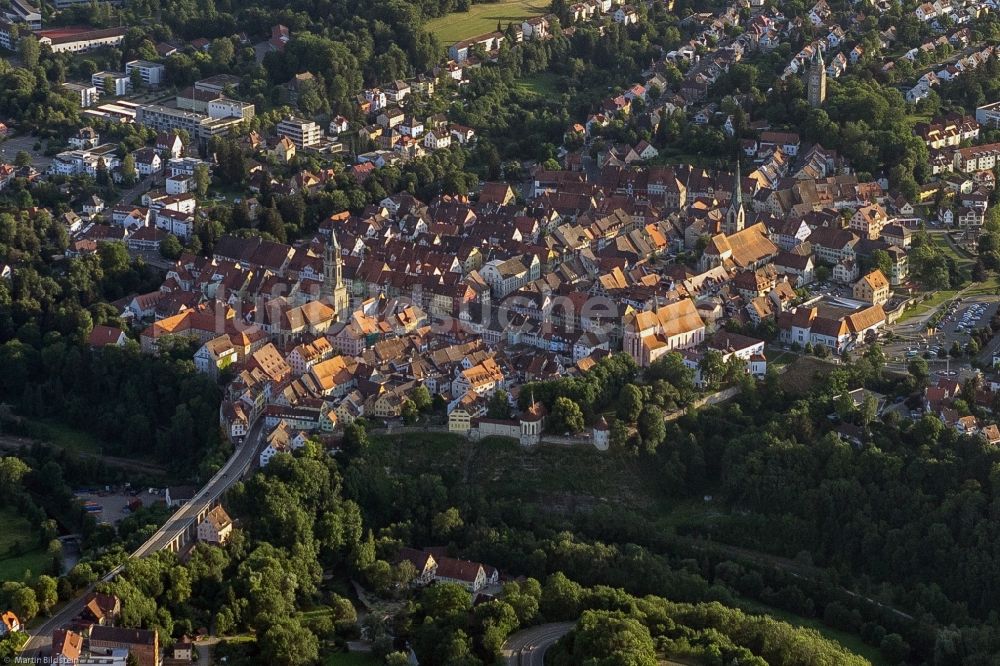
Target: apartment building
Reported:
point(77, 162)
point(303, 133)
point(988, 115)
point(111, 83)
point(977, 158)
point(86, 96)
point(197, 125)
point(8, 33)
point(22, 11)
point(153, 74)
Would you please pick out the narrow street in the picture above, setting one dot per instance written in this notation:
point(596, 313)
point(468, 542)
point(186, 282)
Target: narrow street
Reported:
point(131, 194)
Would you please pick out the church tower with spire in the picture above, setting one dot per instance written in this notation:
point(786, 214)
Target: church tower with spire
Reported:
point(817, 80)
point(334, 291)
point(736, 219)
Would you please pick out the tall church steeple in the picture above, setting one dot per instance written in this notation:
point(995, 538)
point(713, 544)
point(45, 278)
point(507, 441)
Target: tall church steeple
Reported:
point(735, 215)
point(817, 79)
point(334, 292)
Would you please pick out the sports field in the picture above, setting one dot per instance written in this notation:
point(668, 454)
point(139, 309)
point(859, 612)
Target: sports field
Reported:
point(482, 18)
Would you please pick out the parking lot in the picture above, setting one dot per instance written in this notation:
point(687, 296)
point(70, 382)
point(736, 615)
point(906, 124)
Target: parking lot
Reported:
point(965, 317)
point(960, 319)
point(11, 146)
point(831, 290)
point(114, 504)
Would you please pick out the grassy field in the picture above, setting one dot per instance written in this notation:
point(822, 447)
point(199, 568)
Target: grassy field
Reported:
point(914, 118)
point(960, 256)
point(850, 641)
point(483, 18)
point(988, 288)
point(544, 84)
point(924, 307)
point(561, 479)
point(15, 529)
point(778, 358)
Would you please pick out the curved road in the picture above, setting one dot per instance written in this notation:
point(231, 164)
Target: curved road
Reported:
point(528, 647)
point(242, 460)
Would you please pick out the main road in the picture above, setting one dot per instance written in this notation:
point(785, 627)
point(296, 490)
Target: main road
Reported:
point(528, 647)
point(170, 536)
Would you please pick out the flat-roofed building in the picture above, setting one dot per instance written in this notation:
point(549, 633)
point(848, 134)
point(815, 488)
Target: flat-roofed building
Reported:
point(988, 115)
point(111, 83)
point(153, 74)
point(303, 133)
point(8, 33)
point(22, 11)
point(217, 84)
point(224, 107)
point(197, 125)
point(86, 96)
point(118, 111)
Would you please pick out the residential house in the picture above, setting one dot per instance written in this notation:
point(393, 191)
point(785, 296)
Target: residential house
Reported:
point(872, 288)
point(101, 609)
point(470, 575)
point(103, 336)
point(143, 644)
point(216, 527)
point(868, 221)
point(422, 561)
point(9, 623)
point(67, 646)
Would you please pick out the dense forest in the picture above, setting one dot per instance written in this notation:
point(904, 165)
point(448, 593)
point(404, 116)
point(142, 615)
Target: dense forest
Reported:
point(296, 524)
point(158, 408)
point(894, 538)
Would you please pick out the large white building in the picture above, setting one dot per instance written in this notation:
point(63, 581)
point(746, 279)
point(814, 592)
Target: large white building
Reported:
point(175, 222)
point(197, 125)
point(153, 74)
point(8, 33)
point(86, 96)
point(183, 166)
point(505, 276)
point(75, 40)
point(78, 162)
point(224, 107)
point(111, 83)
point(988, 115)
point(22, 11)
point(303, 133)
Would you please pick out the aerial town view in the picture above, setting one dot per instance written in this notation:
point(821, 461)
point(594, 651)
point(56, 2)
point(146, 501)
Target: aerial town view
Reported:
point(513, 333)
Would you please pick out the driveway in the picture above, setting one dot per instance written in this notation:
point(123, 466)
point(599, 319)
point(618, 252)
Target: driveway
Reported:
point(141, 187)
point(205, 649)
